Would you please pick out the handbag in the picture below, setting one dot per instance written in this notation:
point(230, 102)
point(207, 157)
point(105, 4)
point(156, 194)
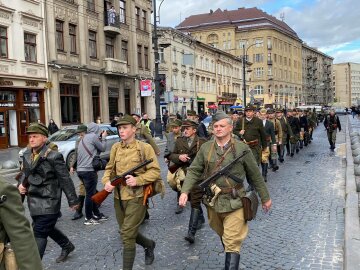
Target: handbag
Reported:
point(97, 162)
point(250, 204)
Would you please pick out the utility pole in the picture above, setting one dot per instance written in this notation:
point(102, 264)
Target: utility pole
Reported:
point(244, 79)
point(158, 126)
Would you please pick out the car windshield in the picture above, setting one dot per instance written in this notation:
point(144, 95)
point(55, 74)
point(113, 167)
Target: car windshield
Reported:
point(207, 119)
point(64, 135)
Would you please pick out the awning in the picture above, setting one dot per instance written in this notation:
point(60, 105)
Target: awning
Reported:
point(212, 106)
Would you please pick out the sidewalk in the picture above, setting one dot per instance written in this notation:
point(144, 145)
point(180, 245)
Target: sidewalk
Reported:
point(9, 154)
point(352, 225)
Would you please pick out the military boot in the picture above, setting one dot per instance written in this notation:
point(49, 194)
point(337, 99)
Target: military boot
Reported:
point(194, 217)
point(128, 258)
point(232, 261)
point(65, 252)
point(149, 253)
point(78, 213)
point(275, 167)
point(264, 170)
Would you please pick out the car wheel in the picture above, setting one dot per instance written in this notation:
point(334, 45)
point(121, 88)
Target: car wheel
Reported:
point(70, 159)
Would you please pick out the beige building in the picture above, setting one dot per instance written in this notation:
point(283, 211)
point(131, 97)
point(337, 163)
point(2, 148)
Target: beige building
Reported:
point(197, 76)
point(317, 87)
point(23, 69)
point(346, 84)
point(273, 48)
point(97, 58)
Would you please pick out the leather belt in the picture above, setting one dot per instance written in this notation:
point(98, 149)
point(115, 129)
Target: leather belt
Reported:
point(253, 143)
point(227, 190)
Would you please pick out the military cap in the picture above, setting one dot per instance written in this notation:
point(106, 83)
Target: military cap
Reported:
point(270, 111)
point(81, 128)
point(249, 108)
point(220, 115)
point(189, 123)
point(279, 111)
point(263, 111)
point(176, 123)
point(37, 128)
point(126, 120)
point(191, 113)
point(136, 114)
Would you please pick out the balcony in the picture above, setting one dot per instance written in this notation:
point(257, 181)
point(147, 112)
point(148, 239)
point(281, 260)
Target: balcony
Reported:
point(112, 23)
point(115, 66)
point(269, 46)
point(269, 62)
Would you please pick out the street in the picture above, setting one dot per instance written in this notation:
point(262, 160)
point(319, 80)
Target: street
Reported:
point(304, 229)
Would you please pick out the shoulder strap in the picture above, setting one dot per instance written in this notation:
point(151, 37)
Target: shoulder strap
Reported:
point(87, 149)
point(141, 151)
point(243, 123)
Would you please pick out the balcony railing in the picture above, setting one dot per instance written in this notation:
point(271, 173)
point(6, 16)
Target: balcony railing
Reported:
point(269, 62)
point(115, 66)
point(112, 22)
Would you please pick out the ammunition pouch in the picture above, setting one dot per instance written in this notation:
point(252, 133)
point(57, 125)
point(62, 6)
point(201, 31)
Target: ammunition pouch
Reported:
point(250, 204)
point(212, 192)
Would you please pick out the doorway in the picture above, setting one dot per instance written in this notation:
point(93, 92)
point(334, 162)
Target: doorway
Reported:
point(4, 140)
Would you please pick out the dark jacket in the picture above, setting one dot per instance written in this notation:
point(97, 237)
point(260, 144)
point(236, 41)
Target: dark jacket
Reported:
point(201, 131)
point(294, 124)
point(48, 177)
point(287, 132)
point(254, 130)
point(270, 132)
point(331, 123)
point(52, 128)
point(304, 123)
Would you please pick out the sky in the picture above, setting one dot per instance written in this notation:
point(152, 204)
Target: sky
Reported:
point(331, 26)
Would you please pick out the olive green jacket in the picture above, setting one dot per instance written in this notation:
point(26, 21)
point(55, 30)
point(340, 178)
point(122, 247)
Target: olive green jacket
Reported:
point(254, 130)
point(143, 134)
point(246, 167)
point(15, 225)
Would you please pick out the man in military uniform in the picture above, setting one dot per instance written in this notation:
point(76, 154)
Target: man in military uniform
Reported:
point(278, 139)
point(304, 128)
point(81, 130)
point(172, 118)
point(169, 148)
point(47, 176)
point(128, 200)
point(15, 227)
point(201, 128)
point(185, 150)
point(294, 123)
point(143, 134)
point(226, 216)
point(332, 123)
point(287, 133)
point(270, 139)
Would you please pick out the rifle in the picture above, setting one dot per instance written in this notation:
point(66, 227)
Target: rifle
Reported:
point(100, 196)
point(224, 171)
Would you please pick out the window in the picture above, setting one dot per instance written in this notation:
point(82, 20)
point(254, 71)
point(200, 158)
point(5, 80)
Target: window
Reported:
point(175, 81)
point(242, 43)
point(122, 11)
point(92, 44)
point(258, 58)
point(139, 56)
point(59, 35)
point(91, 5)
point(174, 55)
point(124, 50)
point(72, 34)
point(259, 72)
point(96, 101)
point(183, 82)
point(109, 41)
point(146, 56)
point(161, 55)
point(70, 103)
point(259, 43)
point(269, 71)
point(30, 47)
point(269, 43)
point(137, 17)
point(258, 90)
point(144, 20)
point(3, 42)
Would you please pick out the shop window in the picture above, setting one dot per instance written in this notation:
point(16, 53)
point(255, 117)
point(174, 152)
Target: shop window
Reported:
point(30, 47)
point(96, 101)
point(6, 96)
point(3, 42)
point(113, 101)
point(70, 103)
point(31, 96)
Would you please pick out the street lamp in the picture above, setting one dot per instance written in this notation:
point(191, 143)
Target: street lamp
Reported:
point(244, 61)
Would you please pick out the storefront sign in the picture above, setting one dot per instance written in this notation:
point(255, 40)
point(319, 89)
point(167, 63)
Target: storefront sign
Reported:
point(31, 105)
point(7, 104)
point(226, 103)
point(6, 83)
point(32, 83)
point(145, 88)
point(70, 77)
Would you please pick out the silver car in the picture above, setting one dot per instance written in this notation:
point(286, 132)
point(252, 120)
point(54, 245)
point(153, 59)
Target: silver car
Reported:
point(66, 138)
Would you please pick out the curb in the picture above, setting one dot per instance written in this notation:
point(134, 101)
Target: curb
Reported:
point(352, 224)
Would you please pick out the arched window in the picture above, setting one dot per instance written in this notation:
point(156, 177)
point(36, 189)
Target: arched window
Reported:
point(259, 90)
point(213, 40)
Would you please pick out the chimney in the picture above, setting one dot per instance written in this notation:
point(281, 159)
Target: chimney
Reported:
point(211, 11)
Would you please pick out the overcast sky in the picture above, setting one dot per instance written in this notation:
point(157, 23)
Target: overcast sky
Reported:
point(332, 26)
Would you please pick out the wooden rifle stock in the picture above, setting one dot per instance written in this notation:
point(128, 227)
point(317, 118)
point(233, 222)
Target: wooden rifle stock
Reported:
point(100, 196)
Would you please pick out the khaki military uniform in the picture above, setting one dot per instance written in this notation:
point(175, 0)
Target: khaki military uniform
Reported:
point(129, 207)
point(16, 227)
point(143, 134)
point(278, 138)
point(226, 216)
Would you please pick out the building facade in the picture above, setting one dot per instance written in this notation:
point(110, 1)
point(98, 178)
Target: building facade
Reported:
point(273, 48)
point(23, 69)
point(346, 84)
point(317, 70)
point(98, 53)
point(197, 76)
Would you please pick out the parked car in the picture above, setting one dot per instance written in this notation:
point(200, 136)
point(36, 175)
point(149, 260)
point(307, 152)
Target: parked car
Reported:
point(207, 121)
point(66, 139)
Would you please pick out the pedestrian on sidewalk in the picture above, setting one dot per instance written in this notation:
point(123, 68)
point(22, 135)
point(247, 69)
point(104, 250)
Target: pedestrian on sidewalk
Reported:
point(129, 200)
point(89, 146)
point(52, 127)
point(332, 124)
point(47, 178)
point(226, 214)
